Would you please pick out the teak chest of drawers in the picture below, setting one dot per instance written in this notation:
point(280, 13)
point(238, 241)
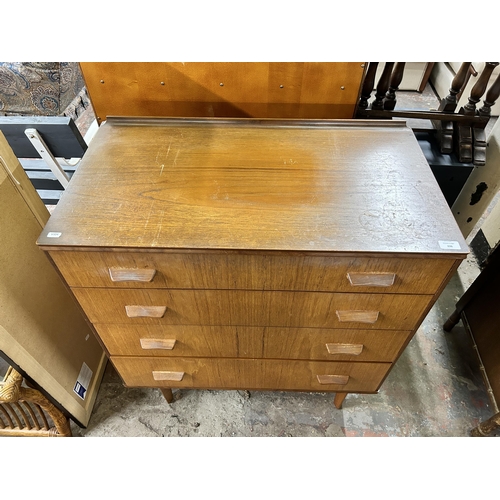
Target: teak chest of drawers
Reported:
point(254, 254)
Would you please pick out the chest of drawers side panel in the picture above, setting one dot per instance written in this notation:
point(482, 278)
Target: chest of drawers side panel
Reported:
point(253, 308)
point(253, 342)
point(350, 186)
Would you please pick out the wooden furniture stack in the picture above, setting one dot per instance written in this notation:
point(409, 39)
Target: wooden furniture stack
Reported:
point(479, 312)
point(254, 254)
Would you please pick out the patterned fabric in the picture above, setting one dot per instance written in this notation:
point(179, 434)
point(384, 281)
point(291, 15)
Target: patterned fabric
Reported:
point(42, 88)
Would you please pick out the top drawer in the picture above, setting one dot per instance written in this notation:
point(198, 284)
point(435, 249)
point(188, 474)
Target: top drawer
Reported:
point(251, 272)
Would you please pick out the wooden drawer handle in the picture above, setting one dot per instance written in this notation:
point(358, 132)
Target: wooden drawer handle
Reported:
point(173, 376)
point(145, 311)
point(358, 316)
point(158, 343)
point(142, 275)
point(354, 349)
point(371, 279)
point(333, 379)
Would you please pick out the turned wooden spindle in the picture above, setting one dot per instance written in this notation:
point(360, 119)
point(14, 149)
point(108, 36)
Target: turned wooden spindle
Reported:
point(368, 85)
point(479, 88)
point(395, 82)
point(383, 86)
point(167, 394)
point(449, 103)
point(490, 98)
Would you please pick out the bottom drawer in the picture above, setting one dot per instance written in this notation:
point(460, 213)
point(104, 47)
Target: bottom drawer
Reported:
point(252, 374)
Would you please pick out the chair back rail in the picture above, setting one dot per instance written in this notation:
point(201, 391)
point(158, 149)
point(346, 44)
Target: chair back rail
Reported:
point(45, 142)
point(25, 411)
point(461, 132)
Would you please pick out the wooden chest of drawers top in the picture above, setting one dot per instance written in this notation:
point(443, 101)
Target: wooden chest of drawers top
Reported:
point(255, 185)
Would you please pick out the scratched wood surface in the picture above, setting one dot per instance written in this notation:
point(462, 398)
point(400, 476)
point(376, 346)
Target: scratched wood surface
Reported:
point(349, 186)
point(249, 89)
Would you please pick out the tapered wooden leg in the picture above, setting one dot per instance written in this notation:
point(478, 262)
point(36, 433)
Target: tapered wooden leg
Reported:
point(339, 399)
point(167, 394)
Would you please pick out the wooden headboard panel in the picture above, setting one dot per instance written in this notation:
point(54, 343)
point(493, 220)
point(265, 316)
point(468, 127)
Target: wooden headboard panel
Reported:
point(247, 89)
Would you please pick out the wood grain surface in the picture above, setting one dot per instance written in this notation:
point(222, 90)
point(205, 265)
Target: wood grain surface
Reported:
point(224, 89)
point(42, 329)
point(482, 318)
point(252, 342)
point(250, 374)
point(347, 186)
point(148, 344)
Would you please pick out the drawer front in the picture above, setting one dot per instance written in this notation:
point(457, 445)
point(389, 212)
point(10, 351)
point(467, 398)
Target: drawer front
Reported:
point(252, 342)
point(251, 272)
point(252, 308)
point(257, 374)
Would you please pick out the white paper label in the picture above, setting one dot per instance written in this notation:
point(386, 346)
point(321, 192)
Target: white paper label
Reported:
point(449, 245)
point(53, 235)
point(83, 381)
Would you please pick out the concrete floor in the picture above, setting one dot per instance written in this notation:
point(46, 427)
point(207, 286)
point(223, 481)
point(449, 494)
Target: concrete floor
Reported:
point(435, 389)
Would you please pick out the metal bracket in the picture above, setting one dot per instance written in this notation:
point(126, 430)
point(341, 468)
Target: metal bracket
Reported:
point(39, 144)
